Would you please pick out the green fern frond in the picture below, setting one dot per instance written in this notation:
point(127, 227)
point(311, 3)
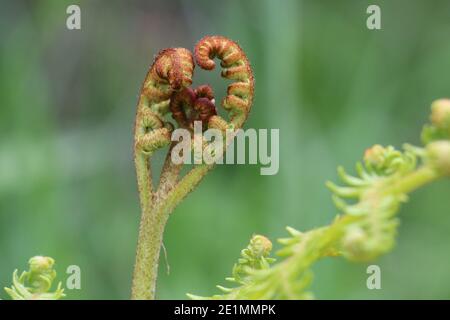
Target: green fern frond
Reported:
point(376, 205)
point(367, 227)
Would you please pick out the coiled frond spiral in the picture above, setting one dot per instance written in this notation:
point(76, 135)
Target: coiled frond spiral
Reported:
point(166, 89)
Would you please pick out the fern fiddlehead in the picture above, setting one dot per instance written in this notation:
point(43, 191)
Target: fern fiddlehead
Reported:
point(166, 89)
point(254, 257)
point(36, 283)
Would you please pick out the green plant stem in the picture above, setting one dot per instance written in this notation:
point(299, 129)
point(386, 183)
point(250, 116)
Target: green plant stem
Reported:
point(147, 256)
point(169, 174)
point(153, 221)
point(323, 240)
point(144, 180)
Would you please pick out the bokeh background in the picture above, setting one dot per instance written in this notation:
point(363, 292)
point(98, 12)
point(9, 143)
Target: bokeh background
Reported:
point(332, 87)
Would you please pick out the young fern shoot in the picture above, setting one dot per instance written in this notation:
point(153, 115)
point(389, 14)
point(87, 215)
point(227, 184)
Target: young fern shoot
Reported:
point(166, 90)
point(36, 283)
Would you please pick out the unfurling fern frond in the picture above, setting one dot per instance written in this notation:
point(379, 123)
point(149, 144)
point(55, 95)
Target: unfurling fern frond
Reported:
point(167, 89)
point(367, 226)
point(36, 283)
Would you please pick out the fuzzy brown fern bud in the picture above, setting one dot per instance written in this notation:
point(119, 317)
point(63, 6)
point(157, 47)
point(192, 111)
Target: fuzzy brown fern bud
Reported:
point(206, 109)
point(236, 67)
point(182, 105)
point(188, 106)
point(205, 104)
point(204, 91)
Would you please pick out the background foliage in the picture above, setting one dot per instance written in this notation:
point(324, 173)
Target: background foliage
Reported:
point(67, 182)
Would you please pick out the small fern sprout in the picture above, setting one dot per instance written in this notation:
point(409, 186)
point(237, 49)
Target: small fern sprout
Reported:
point(167, 90)
point(255, 257)
point(36, 283)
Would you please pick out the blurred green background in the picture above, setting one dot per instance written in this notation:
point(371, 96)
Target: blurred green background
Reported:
point(332, 87)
